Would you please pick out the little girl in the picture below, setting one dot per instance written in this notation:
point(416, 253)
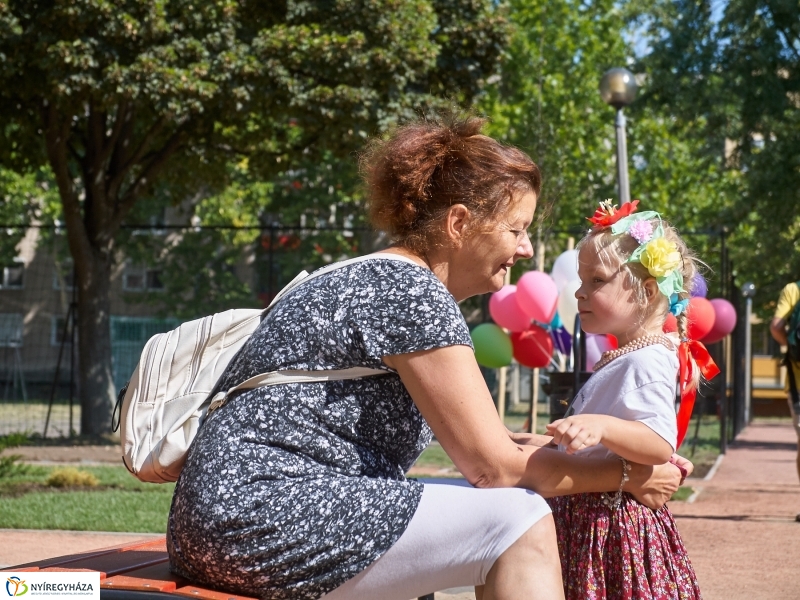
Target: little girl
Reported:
point(632, 269)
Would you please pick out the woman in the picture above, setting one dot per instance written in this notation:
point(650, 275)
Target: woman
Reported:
point(297, 491)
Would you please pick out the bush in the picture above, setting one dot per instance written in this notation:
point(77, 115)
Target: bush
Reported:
point(10, 465)
point(71, 477)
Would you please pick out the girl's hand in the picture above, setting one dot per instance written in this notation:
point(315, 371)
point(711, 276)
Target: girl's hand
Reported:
point(578, 431)
point(653, 486)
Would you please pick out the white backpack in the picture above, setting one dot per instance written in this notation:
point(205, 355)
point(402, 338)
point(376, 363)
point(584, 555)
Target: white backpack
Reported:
point(169, 393)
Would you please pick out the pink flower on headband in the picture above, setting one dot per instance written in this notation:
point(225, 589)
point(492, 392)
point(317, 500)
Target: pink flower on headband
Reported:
point(641, 231)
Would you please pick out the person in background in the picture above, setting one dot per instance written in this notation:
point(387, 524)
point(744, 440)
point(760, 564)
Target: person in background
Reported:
point(778, 327)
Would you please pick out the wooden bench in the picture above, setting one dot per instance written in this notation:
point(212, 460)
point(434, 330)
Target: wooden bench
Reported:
point(138, 571)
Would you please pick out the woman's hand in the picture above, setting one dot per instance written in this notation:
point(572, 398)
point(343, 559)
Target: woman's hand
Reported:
point(653, 486)
point(684, 465)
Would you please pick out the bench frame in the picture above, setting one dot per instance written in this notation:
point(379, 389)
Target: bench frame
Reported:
point(137, 571)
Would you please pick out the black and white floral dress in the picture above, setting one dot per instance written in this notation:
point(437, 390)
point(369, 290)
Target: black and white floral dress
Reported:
point(289, 491)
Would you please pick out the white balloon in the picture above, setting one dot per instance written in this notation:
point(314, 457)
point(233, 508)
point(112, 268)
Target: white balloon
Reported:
point(565, 268)
point(568, 304)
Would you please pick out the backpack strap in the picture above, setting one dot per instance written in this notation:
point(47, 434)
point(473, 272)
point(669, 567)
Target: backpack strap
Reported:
point(293, 376)
point(219, 399)
point(792, 382)
point(304, 276)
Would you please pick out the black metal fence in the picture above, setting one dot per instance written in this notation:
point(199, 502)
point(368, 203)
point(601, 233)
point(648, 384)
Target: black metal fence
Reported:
point(164, 275)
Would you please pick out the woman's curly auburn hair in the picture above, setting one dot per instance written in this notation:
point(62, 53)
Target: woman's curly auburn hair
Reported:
point(425, 167)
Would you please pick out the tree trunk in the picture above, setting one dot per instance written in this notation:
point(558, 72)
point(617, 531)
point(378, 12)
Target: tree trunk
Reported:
point(95, 378)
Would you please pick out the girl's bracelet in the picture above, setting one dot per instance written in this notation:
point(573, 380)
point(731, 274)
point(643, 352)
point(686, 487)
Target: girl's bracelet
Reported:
point(614, 501)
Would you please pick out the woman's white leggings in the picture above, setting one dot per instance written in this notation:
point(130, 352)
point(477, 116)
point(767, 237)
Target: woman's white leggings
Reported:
point(452, 541)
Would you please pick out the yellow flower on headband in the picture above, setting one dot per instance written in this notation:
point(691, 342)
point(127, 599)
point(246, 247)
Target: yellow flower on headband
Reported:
point(660, 257)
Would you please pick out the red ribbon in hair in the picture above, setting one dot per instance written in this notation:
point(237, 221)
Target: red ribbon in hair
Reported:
point(709, 370)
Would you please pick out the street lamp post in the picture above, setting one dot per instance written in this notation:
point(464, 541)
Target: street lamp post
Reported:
point(748, 291)
point(618, 88)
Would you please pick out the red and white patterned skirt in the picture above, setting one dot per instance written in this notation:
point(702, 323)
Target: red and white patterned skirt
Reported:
point(630, 553)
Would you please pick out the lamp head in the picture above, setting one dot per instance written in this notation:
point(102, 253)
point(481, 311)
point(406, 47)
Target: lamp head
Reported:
point(748, 289)
point(618, 87)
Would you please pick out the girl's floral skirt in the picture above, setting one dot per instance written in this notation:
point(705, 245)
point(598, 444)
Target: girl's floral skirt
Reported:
point(631, 552)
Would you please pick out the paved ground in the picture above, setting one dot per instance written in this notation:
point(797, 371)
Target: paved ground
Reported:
point(739, 528)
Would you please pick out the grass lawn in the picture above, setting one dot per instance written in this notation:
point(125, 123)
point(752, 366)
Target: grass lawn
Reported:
point(122, 503)
point(119, 502)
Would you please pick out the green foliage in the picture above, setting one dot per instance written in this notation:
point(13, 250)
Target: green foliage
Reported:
point(10, 465)
point(125, 100)
point(738, 79)
point(67, 477)
point(23, 197)
point(547, 103)
point(118, 503)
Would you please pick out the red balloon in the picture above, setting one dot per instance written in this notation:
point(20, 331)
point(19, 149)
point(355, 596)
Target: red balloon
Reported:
point(612, 340)
point(724, 320)
point(701, 317)
point(533, 347)
point(670, 324)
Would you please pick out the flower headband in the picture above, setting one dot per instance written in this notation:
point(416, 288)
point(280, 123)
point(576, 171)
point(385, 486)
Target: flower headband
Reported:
point(657, 254)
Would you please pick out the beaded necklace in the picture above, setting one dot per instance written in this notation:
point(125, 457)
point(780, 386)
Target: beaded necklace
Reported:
point(635, 344)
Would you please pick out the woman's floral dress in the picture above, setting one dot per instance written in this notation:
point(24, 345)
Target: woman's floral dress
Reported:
point(289, 491)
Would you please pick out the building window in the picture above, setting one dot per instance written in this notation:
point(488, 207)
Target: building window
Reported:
point(64, 273)
point(13, 275)
point(138, 279)
point(57, 331)
point(10, 330)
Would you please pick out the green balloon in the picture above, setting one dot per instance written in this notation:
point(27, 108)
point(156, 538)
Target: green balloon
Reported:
point(492, 346)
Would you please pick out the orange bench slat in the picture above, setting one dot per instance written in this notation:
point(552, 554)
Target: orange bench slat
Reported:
point(154, 544)
point(63, 570)
point(153, 578)
point(124, 582)
point(119, 563)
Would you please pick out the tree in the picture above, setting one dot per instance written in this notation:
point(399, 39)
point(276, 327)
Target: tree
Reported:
point(117, 97)
point(547, 102)
point(737, 74)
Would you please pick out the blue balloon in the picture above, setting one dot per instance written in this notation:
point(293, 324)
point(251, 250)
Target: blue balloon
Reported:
point(699, 286)
point(556, 322)
point(562, 340)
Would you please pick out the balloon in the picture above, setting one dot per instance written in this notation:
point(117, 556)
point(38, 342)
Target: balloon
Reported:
point(565, 268)
point(532, 348)
point(568, 304)
point(670, 324)
point(724, 320)
point(492, 346)
point(701, 317)
point(612, 341)
point(562, 339)
point(595, 346)
point(699, 286)
point(555, 323)
point(537, 295)
point(506, 311)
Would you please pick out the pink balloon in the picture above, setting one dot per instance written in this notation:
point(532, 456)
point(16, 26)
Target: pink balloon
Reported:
point(596, 344)
point(505, 309)
point(537, 295)
point(724, 320)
